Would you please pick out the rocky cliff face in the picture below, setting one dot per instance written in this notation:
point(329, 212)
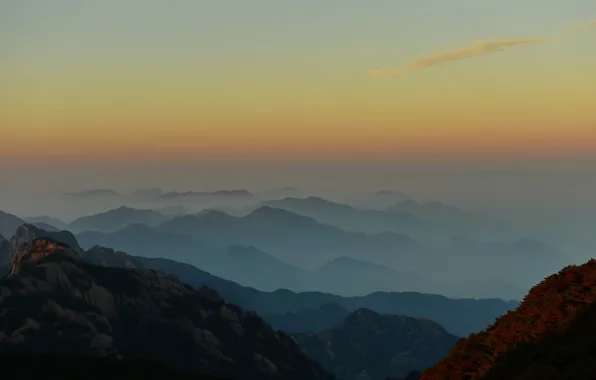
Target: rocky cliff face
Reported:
point(21, 247)
point(55, 302)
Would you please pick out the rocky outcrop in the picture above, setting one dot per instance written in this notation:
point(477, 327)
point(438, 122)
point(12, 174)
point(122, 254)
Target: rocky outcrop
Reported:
point(57, 303)
point(23, 247)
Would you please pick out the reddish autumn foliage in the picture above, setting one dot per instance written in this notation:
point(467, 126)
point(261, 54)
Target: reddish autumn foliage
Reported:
point(535, 338)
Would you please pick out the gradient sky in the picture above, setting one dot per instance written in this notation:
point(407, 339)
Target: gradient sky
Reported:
point(270, 79)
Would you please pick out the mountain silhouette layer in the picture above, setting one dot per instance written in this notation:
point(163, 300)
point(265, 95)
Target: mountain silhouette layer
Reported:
point(458, 316)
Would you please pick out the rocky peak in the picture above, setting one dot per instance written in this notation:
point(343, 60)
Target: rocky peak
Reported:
point(31, 243)
point(33, 252)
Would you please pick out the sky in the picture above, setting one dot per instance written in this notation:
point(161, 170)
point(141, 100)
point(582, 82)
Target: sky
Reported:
point(97, 90)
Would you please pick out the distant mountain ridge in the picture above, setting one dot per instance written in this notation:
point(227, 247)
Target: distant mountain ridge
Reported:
point(57, 223)
point(350, 218)
point(118, 218)
point(253, 267)
point(290, 236)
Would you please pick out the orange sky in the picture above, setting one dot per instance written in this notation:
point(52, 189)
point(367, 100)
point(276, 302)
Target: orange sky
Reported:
point(525, 94)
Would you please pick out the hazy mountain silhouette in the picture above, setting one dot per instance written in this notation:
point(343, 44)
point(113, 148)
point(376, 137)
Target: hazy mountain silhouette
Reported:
point(116, 219)
point(349, 276)
point(450, 219)
point(459, 316)
point(142, 239)
point(253, 267)
point(243, 264)
point(520, 264)
point(432, 210)
point(549, 336)
point(293, 238)
point(377, 345)
point(136, 314)
point(57, 223)
point(281, 192)
point(9, 223)
point(46, 227)
point(174, 210)
point(349, 218)
point(146, 194)
point(378, 200)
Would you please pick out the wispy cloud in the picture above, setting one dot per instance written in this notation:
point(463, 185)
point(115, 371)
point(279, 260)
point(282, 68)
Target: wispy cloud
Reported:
point(588, 26)
point(477, 48)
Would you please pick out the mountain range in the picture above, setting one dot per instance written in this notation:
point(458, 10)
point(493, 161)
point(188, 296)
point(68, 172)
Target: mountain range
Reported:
point(294, 252)
point(459, 316)
point(103, 303)
point(116, 219)
point(107, 303)
point(253, 267)
point(294, 238)
point(350, 218)
point(101, 311)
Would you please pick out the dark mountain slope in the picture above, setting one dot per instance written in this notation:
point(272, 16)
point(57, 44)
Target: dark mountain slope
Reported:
point(309, 320)
point(378, 345)
point(551, 335)
point(57, 303)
